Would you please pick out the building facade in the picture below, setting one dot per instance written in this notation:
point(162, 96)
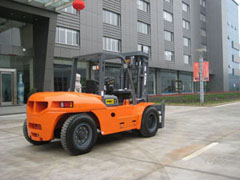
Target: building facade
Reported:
point(163, 29)
point(223, 44)
point(41, 43)
point(233, 46)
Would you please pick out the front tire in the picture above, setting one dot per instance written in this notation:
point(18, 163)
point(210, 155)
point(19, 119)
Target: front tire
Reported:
point(79, 134)
point(150, 121)
point(25, 133)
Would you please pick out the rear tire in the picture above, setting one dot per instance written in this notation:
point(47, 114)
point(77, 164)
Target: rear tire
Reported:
point(25, 133)
point(150, 122)
point(79, 134)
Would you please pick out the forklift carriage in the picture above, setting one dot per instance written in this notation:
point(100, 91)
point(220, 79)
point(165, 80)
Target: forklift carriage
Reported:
point(76, 118)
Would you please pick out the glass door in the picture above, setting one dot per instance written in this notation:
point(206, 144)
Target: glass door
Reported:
point(6, 88)
point(7, 91)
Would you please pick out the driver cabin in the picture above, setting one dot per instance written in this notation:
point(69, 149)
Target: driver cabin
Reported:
point(115, 91)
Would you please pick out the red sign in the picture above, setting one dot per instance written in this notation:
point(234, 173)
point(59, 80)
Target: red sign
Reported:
point(196, 76)
point(196, 67)
point(205, 71)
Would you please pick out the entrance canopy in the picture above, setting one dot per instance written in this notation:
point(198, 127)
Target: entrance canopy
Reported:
point(53, 5)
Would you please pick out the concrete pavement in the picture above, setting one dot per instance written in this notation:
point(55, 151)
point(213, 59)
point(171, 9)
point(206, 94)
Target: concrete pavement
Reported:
point(126, 156)
point(9, 110)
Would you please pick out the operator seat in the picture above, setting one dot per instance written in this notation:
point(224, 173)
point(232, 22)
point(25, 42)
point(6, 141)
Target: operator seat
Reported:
point(92, 86)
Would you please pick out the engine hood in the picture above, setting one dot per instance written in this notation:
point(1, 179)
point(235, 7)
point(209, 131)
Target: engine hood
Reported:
point(49, 96)
point(81, 101)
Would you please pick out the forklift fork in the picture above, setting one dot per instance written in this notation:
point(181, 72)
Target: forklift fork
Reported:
point(161, 111)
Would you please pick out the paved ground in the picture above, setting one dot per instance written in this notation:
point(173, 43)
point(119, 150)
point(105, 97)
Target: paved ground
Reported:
point(8, 110)
point(197, 143)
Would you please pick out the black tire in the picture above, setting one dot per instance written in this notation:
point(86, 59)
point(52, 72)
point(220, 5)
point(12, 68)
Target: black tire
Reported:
point(79, 134)
point(25, 133)
point(150, 122)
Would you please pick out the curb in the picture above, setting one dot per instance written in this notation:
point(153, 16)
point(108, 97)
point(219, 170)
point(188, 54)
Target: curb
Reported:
point(8, 114)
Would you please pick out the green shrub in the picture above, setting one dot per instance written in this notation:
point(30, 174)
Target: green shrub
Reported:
point(195, 98)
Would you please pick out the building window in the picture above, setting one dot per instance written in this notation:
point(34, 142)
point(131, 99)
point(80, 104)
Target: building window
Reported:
point(111, 18)
point(187, 59)
point(202, 17)
point(186, 42)
point(143, 28)
point(167, 16)
point(169, 55)
point(203, 32)
point(110, 44)
point(185, 7)
point(145, 49)
point(168, 36)
point(204, 46)
point(70, 10)
point(152, 81)
point(186, 24)
point(67, 36)
point(62, 73)
point(167, 79)
point(143, 5)
point(203, 3)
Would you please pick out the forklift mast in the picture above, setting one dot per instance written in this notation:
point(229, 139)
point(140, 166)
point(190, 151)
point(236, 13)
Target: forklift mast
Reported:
point(138, 62)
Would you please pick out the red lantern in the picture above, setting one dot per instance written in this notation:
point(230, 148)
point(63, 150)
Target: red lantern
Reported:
point(78, 5)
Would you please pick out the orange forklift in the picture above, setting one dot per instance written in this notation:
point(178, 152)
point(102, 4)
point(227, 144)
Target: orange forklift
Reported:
point(107, 106)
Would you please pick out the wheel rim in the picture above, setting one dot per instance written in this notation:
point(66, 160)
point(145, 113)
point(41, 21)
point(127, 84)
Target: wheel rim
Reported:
point(152, 122)
point(82, 135)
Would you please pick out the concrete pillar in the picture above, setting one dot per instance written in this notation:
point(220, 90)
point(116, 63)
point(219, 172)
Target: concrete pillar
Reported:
point(158, 82)
point(43, 41)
